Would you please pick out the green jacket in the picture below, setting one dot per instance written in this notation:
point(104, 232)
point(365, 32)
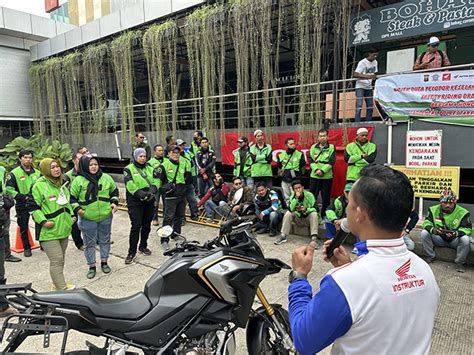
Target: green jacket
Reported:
point(244, 168)
point(293, 165)
point(192, 167)
point(353, 158)
point(337, 210)
point(45, 208)
point(174, 173)
point(307, 200)
point(140, 184)
point(70, 176)
point(459, 221)
point(322, 159)
point(19, 183)
point(2, 179)
point(155, 162)
point(262, 160)
point(98, 209)
point(194, 148)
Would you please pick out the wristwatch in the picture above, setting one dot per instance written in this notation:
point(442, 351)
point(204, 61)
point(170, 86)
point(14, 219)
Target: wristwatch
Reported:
point(296, 275)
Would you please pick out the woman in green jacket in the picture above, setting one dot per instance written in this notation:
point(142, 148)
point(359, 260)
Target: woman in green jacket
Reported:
point(53, 213)
point(94, 196)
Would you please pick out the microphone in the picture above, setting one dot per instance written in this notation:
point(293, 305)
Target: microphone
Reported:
point(339, 238)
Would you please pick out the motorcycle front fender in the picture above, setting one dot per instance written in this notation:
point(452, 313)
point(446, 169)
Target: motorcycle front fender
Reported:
point(255, 329)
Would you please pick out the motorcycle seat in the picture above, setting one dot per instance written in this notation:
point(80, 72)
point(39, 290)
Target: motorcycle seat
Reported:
point(130, 308)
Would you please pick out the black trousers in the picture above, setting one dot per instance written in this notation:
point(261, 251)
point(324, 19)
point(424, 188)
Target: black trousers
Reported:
point(268, 180)
point(140, 217)
point(324, 186)
point(22, 218)
point(76, 236)
point(175, 208)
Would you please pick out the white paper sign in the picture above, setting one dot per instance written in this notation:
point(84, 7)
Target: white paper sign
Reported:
point(423, 149)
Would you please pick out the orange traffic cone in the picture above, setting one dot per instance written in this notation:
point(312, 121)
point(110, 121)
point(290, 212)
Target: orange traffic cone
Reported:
point(18, 247)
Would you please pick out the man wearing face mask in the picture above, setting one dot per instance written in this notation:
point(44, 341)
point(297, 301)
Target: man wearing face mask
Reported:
point(447, 225)
point(359, 154)
point(291, 166)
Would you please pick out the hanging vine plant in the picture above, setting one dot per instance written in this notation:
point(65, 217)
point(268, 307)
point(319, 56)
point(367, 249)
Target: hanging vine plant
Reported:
point(160, 47)
point(55, 94)
point(121, 52)
point(36, 79)
point(95, 85)
point(71, 75)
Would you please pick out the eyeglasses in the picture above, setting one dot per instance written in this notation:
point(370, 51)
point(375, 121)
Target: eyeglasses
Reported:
point(237, 183)
point(141, 137)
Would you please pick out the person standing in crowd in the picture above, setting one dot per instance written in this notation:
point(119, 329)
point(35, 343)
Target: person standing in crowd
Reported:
point(172, 175)
point(365, 72)
point(141, 188)
point(267, 209)
point(336, 212)
point(190, 181)
point(412, 221)
point(359, 154)
point(262, 160)
point(155, 162)
point(18, 185)
point(433, 58)
point(52, 212)
point(361, 306)
point(215, 196)
point(84, 150)
point(239, 205)
point(447, 225)
point(196, 143)
point(140, 142)
point(205, 161)
point(302, 211)
point(291, 165)
point(94, 197)
point(243, 162)
point(322, 157)
point(170, 142)
point(8, 203)
point(69, 178)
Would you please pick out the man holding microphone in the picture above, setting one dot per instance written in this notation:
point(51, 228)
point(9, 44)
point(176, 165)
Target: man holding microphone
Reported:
point(383, 302)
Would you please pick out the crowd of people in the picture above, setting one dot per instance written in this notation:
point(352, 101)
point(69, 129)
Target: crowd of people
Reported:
point(81, 202)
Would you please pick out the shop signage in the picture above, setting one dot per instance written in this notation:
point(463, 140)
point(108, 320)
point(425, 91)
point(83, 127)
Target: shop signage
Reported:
point(423, 149)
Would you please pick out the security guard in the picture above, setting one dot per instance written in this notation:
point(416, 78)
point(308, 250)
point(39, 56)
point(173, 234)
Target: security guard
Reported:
point(141, 189)
point(243, 162)
point(262, 160)
point(359, 154)
point(291, 166)
point(173, 174)
point(19, 183)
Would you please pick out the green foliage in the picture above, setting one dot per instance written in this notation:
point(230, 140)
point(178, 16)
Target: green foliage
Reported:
point(41, 148)
point(71, 75)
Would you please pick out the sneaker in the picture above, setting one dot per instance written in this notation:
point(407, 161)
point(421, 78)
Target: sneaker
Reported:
point(145, 251)
point(183, 223)
point(194, 217)
point(430, 260)
point(129, 259)
point(27, 253)
point(314, 238)
point(460, 267)
point(177, 238)
point(165, 246)
point(282, 239)
point(354, 251)
point(8, 311)
point(210, 221)
point(12, 259)
point(272, 233)
point(262, 231)
point(105, 268)
point(69, 287)
point(91, 273)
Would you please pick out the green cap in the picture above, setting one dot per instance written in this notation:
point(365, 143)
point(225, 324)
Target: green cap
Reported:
point(348, 187)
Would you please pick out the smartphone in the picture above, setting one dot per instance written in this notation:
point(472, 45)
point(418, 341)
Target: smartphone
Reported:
point(431, 59)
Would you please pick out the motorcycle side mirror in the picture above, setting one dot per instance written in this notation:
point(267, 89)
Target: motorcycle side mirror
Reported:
point(165, 231)
point(238, 196)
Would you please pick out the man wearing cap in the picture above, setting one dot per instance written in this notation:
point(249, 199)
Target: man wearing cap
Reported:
point(447, 225)
point(336, 212)
point(262, 160)
point(359, 154)
point(190, 182)
point(365, 72)
point(243, 162)
point(432, 58)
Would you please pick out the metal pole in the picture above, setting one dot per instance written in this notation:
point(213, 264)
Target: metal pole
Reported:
point(389, 143)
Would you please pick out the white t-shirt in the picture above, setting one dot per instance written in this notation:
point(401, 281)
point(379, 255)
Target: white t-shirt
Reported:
point(366, 67)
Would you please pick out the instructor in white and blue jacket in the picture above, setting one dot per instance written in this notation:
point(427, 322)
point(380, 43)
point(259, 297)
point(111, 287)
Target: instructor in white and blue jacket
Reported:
point(385, 301)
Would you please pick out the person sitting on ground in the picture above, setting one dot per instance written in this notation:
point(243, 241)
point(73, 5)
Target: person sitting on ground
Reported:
point(447, 225)
point(302, 211)
point(94, 197)
point(412, 221)
point(246, 199)
point(336, 212)
point(268, 209)
point(51, 210)
point(215, 196)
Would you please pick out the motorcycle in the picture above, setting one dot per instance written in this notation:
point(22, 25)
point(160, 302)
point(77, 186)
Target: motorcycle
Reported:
point(192, 305)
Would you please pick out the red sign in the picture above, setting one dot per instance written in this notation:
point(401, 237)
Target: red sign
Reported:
point(336, 137)
point(51, 5)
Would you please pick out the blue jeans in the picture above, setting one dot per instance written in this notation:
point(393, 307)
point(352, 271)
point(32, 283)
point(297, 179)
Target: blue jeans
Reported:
point(461, 244)
point(270, 221)
point(93, 232)
point(209, 206)
point(157, 204)
point(191, 200)
point(203, 186)
point(369, 103)
point(408, 242)
point(247, 181)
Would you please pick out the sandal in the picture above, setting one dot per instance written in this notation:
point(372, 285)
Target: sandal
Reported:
point(91, 273)
point(105, 268)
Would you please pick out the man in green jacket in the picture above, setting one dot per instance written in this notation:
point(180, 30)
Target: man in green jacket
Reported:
point(243, 162)
point(359, 154)
point(322, 157)
point(5, 232)
point(336, 212)
point(291, 165)
point(19, 183)
point(302, 211)
point(155, 162)
point(447, 225)
point(190, 182)
point(262, 160)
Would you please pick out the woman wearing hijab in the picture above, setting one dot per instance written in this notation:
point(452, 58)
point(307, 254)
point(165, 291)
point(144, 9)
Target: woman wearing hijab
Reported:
point(52, 211)
point(94, 197)
point(141, 189)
